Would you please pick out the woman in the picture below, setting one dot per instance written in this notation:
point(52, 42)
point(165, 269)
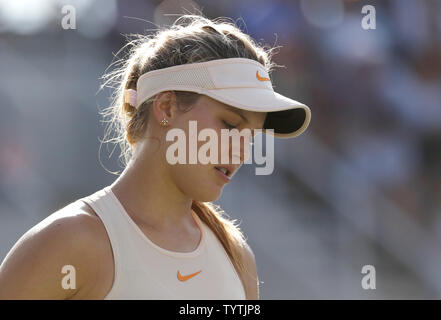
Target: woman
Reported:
point(153, 233)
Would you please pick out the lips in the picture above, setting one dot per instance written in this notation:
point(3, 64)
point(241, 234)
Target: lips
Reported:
point(223, 170)
point(226, 170)
point(221, 173)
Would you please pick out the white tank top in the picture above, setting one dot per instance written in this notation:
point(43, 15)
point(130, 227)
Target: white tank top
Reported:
point(143, 270)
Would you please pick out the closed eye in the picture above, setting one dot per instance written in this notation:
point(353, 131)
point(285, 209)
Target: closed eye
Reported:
point(229, 126)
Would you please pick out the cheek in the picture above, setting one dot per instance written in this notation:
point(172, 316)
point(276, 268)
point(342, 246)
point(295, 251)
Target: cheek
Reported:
point(192, 132)
point(197, 182)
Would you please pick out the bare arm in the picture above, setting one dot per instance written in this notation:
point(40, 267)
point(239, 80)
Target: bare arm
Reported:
point(33, 267)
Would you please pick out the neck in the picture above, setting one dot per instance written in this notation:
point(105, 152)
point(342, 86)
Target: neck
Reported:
point(149, 195)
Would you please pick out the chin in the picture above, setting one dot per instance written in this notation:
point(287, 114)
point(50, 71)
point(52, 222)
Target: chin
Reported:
point(208, 195)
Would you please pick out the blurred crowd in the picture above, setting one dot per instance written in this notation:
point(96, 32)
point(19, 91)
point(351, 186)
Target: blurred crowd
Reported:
point(375, 95)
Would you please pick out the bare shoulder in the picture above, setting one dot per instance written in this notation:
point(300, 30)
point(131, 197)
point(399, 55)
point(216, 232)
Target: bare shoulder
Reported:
point(250, 277)
point(73, 236)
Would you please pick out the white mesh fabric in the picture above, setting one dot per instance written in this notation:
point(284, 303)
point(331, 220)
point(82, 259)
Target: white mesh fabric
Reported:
point(197, 77)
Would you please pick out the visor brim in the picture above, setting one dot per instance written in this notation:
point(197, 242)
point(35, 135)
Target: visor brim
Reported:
point(287, 117)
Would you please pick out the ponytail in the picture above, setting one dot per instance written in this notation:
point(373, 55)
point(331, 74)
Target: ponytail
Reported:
point(228, 233)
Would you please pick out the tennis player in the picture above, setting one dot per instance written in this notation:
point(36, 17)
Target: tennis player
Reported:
point(154, 233)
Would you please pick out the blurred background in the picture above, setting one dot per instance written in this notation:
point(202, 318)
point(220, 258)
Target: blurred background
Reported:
point(362, 186)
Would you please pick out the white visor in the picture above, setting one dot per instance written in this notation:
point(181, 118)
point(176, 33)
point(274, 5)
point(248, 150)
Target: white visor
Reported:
point(239, 82)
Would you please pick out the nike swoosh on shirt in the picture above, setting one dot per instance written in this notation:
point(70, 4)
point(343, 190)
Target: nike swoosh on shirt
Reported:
point(185, 278)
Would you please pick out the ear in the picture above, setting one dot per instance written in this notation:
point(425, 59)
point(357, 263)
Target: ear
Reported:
point(164, 106)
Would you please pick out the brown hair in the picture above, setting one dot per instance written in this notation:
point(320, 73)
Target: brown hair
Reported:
point(192, 38)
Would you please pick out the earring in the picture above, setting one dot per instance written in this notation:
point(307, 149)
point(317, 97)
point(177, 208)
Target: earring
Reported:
point(164, 122)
